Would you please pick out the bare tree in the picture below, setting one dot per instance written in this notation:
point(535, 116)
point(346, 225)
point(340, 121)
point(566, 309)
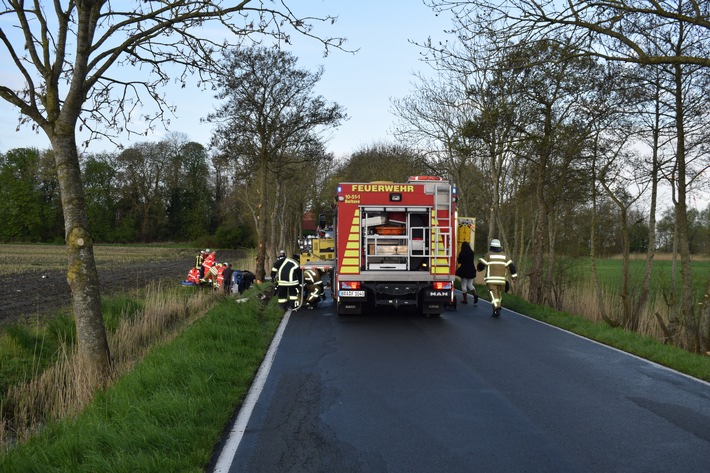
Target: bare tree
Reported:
point(674, 34)
point(609, 29)
point(69, 55)
point(556, 96)
point(269, 118)
point(430, 121)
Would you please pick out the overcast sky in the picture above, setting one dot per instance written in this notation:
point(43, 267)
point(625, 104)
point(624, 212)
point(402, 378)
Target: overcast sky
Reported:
point(363, 83)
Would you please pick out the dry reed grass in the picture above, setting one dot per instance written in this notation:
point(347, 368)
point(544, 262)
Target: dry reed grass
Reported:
point(581, 300)
point(61, 391)
point(661, 257)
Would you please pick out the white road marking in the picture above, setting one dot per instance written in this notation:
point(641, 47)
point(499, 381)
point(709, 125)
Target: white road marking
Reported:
point(224, 462)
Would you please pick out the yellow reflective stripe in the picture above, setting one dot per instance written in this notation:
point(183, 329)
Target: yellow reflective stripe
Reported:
point(495, 279)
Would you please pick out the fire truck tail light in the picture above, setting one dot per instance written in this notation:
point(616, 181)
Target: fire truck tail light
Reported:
point(442, 285)
point(349, 285)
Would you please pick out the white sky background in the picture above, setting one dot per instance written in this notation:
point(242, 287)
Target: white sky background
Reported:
point(363, 83)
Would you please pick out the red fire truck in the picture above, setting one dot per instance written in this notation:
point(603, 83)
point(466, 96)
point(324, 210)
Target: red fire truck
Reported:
point(395, 245)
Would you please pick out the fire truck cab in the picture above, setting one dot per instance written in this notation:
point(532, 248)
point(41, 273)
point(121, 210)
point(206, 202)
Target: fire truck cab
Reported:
point(395, 245)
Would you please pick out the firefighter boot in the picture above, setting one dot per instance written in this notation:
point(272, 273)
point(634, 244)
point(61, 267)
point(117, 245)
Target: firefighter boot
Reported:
point(465, 298)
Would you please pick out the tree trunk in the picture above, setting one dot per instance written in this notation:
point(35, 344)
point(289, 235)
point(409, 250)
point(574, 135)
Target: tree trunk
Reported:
point(261, 224)
point(275, 242)
point(691, 334)
point(625, 291)
point(538, 243)
point(651, 250)
point(82, 275)
point(705, 322)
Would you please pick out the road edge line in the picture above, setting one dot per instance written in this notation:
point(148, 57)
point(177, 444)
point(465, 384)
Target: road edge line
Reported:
point(224, 462)
point(650, 362)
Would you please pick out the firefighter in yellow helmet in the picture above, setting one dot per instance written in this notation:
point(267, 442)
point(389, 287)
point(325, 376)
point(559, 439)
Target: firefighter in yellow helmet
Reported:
point(497, 267)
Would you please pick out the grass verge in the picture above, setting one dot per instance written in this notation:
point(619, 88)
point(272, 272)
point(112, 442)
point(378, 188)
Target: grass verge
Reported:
point(168, 413)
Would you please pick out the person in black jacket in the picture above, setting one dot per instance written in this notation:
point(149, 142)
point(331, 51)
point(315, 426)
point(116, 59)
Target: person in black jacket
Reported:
point(277, 264)
point(467, 272)
point(227, 275)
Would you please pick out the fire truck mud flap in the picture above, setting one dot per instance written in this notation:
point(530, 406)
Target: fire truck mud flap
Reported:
point(434, 302)
point(350, 302)
point(349, 308)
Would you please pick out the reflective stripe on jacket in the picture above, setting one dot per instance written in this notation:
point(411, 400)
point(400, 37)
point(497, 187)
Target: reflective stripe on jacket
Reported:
point(289, 273)
point(496, 266)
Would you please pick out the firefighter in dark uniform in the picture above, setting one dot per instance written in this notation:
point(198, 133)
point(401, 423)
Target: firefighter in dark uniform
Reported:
point(277, 264)
point(497, 266)
point(313, 287)
point(288, 276)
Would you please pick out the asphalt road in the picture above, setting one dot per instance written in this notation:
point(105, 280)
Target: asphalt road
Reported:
point(467, 393)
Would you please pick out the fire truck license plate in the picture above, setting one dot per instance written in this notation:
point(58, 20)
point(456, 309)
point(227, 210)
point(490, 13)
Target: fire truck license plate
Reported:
point(351, 293)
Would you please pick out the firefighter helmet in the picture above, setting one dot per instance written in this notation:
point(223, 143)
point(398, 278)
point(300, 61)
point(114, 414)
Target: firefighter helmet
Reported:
point(495, 244)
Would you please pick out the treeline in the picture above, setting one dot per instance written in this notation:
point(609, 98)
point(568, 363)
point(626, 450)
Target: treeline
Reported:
point(173, 191)
point(165, 191)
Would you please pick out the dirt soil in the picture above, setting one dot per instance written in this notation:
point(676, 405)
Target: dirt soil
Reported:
point(31, 295)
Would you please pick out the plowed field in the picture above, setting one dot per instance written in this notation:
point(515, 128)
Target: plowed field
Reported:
point(33, 277)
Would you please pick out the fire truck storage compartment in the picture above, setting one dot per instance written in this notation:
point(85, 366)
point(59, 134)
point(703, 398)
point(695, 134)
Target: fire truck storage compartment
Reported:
point(395, 238)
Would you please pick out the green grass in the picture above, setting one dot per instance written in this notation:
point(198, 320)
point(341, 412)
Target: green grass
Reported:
point(26, 350)
point(169, 412)
point(609, 271)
